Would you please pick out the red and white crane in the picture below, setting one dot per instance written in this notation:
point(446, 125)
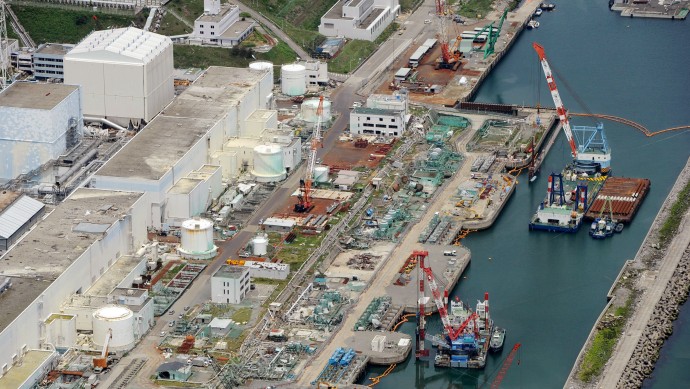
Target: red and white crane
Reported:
point(450, 57)
point(560, 109)
point(453, 333)
point(304, 203)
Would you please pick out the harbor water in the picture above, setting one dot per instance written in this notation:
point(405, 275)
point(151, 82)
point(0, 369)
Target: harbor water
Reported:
point(547, 289)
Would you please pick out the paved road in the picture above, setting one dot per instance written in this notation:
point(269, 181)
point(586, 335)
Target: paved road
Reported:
point(258, 16)
point(623, 352)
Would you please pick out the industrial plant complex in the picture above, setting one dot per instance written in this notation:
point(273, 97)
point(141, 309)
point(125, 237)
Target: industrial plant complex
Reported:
point(271, 223)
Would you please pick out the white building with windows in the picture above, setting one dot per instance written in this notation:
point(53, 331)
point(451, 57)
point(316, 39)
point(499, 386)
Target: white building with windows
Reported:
point(359, 19)
point(48, 60)
point(377, 121)
point(316, 72)
point(221, 25)
point(229, 284)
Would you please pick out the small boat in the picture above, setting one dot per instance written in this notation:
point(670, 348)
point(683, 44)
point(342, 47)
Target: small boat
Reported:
point(619, 228)
point(538, 12)
point(602, 228)
point(532, 24)
point(547, 6)
point(497, 339)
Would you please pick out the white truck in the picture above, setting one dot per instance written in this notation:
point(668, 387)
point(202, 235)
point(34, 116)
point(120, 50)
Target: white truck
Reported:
point(450, 253)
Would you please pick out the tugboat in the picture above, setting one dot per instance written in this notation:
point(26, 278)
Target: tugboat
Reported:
point(547, 6)
point(602, 228)
point(538, 12)
point(532, 24)
point(497, 339)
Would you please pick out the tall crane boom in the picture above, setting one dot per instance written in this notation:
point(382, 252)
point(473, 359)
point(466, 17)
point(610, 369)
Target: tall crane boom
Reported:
point(305, 198)
point(562, 113)
point(442, 310)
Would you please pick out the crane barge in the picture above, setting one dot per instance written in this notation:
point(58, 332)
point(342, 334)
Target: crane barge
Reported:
point(570, 194)
point(466, 338)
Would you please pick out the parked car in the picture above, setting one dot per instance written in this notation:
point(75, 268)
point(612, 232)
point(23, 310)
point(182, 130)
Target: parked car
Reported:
point(171, 324)
point(162, 334)
point(171, 312)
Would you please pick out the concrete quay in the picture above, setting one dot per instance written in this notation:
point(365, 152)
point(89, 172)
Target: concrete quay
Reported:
point(662, 278)
point(652, 9)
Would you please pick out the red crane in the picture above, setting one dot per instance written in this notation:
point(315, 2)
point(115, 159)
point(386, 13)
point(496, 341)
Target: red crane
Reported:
point(504, 368)
point(562, 113)
point(304, 198)
point(453, 334)
point(421, 314)
point(450, 58)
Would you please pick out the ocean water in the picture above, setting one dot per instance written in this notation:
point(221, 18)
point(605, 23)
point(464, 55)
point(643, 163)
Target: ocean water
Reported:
point(547, 289)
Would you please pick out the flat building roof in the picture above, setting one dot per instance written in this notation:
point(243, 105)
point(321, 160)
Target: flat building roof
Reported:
point(44, 254)
point(236, 29)
point(224, 10)
point(29, 95)
point(229, 271)
point(54, 48)
point(17, 375)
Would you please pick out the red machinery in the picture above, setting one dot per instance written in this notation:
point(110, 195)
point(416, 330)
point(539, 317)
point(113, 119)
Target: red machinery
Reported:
point(304, 198)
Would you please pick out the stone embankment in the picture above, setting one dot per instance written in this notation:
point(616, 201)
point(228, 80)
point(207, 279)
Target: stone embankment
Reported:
point(659, 327)
point(660, 278)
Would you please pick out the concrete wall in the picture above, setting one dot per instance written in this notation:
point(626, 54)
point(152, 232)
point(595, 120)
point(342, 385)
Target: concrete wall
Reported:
point(32, 137)
point(122, 87)
point(27, 328)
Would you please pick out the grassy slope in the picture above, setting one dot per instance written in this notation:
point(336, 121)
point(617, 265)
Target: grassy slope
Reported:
point(170, 25)
point(65, 26)
point(203, 57)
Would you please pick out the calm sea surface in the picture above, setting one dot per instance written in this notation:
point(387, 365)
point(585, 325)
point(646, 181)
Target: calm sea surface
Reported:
point(548, 289)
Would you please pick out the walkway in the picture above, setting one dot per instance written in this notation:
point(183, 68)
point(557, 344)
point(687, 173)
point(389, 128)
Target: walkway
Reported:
point(623, 352)
point(259, 17)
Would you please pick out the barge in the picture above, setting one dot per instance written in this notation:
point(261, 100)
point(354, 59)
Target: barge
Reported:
point(625, 196)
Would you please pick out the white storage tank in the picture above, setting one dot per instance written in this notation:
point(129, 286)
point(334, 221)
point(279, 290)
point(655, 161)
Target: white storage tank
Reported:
point(293, 79)
point(309, 108)
point(197, 239)
point(321, 173)
point(266, 84)
point(120, 320)
point(260, 245)
point(268, 163)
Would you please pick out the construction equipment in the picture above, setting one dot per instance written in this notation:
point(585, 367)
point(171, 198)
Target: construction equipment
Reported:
point(560, 109)
point(420, 332)
point(100, 363)
point(453, 334)
point(304, 198)
point(504, 368)
point(493, 35)
point(450, 58)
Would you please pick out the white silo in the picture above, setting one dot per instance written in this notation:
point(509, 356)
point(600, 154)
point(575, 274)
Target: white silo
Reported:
point(266, 84)
point(268, 163)
point(197, 239)
point(259, 245)
point(309, 108)
point(321, 173)
point(118, 319)
point(293, 79)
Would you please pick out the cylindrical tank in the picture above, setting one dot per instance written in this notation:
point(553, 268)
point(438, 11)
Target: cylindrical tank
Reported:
point(197, 236)
point(293, 79)
point(309, 108)
point(266, 84)
point(260, 245)
point(321, 173)
point(268, 163)
point(120, 320)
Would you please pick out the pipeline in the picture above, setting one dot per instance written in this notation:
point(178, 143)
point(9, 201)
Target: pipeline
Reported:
point(104, 121)
point(81, 162)
point(376, 380)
